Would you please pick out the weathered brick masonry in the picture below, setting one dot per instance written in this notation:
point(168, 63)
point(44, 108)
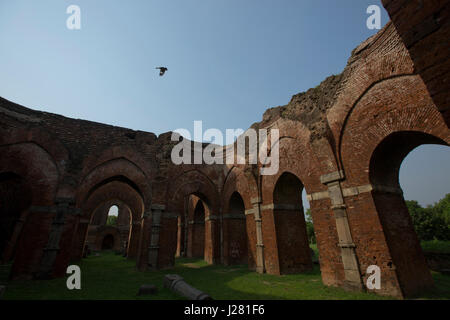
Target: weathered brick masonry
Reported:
point(343, 141)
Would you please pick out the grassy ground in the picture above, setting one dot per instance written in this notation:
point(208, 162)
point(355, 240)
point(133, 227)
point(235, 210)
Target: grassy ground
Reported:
point(110, 276)
point(436, 246)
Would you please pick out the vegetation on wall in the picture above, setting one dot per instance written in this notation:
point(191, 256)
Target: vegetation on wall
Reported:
point(111, 221)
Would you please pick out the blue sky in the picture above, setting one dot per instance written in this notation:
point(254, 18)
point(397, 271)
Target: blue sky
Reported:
point(228, 62)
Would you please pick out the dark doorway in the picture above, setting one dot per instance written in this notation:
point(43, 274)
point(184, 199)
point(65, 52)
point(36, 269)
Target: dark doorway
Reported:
point(108, 242)
point(15, 197)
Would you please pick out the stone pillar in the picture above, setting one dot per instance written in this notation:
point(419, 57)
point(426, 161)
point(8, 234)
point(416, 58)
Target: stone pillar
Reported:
point(144, 240)
point(177, 284)
point(190, 238)
point(124, 238)
point(180, 239)
point(251, 234)
point(80, 239)
point(133, 243)
point(8, 254)
point(256, 202)
point(186, 227)
point(168, 239)
point(52, 249)
point(31, 245)
point(348, 255)
point(212, 254)
point(221, 239)
point(153, 248)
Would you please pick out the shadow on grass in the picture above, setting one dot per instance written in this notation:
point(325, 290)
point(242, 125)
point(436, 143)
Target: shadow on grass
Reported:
point(112, 277)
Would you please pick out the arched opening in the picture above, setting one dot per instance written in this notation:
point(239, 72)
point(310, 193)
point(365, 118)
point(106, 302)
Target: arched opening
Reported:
point(402, 240)
point(15, 198)
point(235, 231)
point(96, 203)
point(108, 242)
point(113, 214)
point(426, 190)
point(198, 231)
point(294, 254)
point(312, 241)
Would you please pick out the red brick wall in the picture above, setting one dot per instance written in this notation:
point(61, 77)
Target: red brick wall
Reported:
point(394, 82)
point(424, 27)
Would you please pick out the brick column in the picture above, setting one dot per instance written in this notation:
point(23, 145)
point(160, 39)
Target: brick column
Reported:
point(348, 255)
point(180, 239)
point(256, 202)
point(186, 228)
point(8, 254)
point(156, 211)
point(62, 210)
point(124, 232)
point(168, 239)
point(144, 240)
point(190, 238)
point(212, 254)
point(80, 239)
point(133, 244)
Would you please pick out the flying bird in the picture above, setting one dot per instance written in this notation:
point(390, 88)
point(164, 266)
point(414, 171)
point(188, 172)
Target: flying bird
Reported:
point(162, 70)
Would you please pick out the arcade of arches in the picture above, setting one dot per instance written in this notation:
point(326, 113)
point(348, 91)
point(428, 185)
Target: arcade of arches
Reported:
point(343, 142)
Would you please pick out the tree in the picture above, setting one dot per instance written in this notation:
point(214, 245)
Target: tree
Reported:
point(430, 223)
point(443, 206)
point(310, 227)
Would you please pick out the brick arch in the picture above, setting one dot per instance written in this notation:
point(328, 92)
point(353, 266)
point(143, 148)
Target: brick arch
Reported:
point(296, 156)
point(44, 140)
point(119, 152)
point(36, 166)
point(194, 182)
point(237, 180)
point(303, 159)
point(114, 190)
point(240, 180)
point(104, 232)
point(100, 215)
point(40, 173)
point(197, 211)
point(119, 169)
point(235, 239)
point(391, 119)
point(284, 226)
point(124, 223)
point(394, 105)
point(366, 68)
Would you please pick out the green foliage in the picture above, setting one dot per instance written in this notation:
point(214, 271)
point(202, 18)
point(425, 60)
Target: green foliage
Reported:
point(111, 221)
point(443, 206)
point(437, 246)
point(431, 222)
point(310, 227)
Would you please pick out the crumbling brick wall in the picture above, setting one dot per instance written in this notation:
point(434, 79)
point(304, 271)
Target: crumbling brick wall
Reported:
point(343, 141)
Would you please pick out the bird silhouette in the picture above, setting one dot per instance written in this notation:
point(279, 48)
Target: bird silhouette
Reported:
point(162, 70)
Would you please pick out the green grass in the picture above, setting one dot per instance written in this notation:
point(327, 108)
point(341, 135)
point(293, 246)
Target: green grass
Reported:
point(110, 276)
point(437, 246)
